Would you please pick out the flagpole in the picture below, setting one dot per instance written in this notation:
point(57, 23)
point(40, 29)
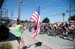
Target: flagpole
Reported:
point(19, 8)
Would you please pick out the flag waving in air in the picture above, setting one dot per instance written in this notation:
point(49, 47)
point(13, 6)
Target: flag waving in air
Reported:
point(36, 17)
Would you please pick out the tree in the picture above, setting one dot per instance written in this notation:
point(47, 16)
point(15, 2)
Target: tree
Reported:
point(72, 18)
point(1, 3)
point(46, 20)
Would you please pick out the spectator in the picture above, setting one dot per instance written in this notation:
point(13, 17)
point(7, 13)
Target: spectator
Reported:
point(19, 31)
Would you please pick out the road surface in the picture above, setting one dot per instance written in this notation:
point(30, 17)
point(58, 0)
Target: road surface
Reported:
point(48, 41)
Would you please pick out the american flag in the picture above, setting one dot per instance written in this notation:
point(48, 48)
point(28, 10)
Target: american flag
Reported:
point(36, 17)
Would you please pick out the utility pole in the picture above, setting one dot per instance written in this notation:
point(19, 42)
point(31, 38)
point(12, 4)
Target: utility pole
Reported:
point(70, 8)
point(12, 14)
point(19, 8)
point(63, 14)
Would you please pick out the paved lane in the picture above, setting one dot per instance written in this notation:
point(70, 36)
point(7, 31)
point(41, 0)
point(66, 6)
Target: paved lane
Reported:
point(54, 42)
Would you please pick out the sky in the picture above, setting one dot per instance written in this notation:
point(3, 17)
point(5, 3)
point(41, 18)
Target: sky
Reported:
point(52, 9)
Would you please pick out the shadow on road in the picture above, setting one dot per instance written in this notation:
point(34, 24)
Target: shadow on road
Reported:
point(11, 37)
point(37, 44)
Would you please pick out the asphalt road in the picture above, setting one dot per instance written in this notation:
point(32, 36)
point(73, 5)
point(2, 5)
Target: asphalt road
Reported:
point(54, 42)
point(49, 41)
